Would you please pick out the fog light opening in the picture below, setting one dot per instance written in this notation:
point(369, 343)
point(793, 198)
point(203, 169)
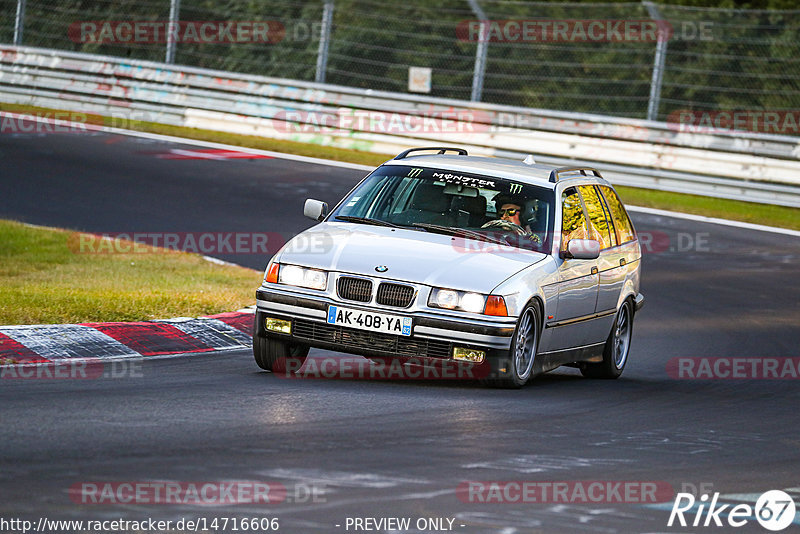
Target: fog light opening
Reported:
point(468, 355)
point(282, 326)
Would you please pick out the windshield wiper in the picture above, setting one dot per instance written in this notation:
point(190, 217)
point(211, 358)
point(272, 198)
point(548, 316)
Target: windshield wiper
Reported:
point(366, 220)
point(451, 230)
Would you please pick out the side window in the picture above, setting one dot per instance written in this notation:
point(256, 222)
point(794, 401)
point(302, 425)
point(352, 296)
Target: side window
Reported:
point(622, 222)
point(611, 226)
point(600, 227)
point(573, 221)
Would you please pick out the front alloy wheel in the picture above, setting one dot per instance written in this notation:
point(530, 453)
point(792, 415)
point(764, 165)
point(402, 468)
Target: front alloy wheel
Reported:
point(522, 352)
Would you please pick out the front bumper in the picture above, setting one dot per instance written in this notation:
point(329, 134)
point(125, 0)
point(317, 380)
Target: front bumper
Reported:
point(433, 336)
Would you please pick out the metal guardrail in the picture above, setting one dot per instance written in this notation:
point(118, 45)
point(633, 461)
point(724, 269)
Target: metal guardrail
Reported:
point(739, 165)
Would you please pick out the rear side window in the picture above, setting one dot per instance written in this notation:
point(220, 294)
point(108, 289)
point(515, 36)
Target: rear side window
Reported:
point(600, 227)
point(573, 221)
point(622, 222)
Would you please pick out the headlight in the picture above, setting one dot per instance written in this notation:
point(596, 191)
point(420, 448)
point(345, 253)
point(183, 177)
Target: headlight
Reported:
point(473, 302)
point(446, 298)
point(457, 300)
point(315, 279)
point(293, 275)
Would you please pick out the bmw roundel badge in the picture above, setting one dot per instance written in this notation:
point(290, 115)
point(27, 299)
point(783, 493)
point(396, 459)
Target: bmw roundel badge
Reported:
point(381, 268)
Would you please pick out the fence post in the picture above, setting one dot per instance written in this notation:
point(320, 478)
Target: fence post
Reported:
point(174, 15)
point(658, 63)
point(19, 22)
point(480, 53)
point(324, 40)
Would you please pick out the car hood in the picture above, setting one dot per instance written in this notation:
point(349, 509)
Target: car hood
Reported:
point(409, 255)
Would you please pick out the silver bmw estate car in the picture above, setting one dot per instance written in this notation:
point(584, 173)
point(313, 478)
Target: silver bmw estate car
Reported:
point(513, 267)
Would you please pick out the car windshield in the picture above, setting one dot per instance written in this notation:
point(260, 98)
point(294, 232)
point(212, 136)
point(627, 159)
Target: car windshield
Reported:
point(472, 206)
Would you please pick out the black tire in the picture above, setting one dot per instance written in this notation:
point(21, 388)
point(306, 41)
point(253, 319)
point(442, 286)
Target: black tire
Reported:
point(516, 370)
point(271, 354)
point(617, 349)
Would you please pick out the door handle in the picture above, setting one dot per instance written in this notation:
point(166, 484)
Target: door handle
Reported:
point(622, 262)
point(594, 270)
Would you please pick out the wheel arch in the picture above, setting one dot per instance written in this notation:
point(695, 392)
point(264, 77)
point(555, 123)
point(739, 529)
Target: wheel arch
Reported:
point(628, 293)
point(536, 300)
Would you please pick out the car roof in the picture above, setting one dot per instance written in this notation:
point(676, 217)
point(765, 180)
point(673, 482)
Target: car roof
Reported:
point(534, 174)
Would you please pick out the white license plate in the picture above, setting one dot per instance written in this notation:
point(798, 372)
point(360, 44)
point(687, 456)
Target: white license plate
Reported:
point(367, 320)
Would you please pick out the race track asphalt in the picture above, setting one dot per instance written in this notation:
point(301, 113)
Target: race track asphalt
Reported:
point(395, 448)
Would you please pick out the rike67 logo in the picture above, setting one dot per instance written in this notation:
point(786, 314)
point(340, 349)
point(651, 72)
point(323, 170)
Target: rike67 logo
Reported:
point(774, 510)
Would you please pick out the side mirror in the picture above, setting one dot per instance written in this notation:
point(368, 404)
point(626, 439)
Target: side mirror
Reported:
point(583, 249)
point(315, 209)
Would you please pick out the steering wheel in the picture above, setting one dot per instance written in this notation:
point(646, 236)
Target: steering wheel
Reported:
point(513, 227)
point(505, 225)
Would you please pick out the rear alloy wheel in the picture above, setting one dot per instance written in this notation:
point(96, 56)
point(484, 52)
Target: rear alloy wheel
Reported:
point(271, 354)
point(522, 353)
point(618, 345)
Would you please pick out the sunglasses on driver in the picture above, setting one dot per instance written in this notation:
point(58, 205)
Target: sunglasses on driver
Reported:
point(508, 211)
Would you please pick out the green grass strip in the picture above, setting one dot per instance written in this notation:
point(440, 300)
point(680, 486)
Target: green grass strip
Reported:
point(49, 276)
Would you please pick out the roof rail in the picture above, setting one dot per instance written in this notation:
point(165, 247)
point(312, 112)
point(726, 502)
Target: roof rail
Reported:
point(555, 173)
point(441, 149)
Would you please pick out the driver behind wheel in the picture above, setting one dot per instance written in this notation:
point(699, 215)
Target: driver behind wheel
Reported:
point(509, 209)
point(510, 212)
